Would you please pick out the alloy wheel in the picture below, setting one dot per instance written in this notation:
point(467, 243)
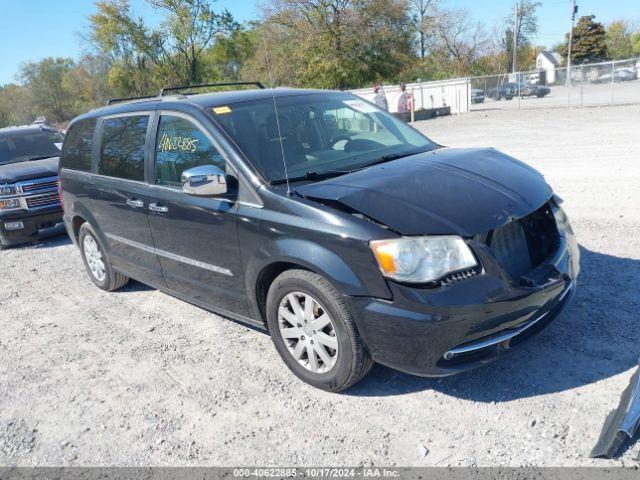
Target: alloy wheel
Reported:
point(308, 332)
point(93, 255)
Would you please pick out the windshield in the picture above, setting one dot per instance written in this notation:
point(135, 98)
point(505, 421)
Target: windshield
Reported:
point(21, 146)
point(323, 133)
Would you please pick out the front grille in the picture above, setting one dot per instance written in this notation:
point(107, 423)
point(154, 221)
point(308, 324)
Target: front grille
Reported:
point(39, 193)
point(38, 185)
point(42, 201)
point(523, 245)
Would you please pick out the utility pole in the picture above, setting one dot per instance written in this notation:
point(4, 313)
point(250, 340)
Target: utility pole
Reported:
point(574, 10)
point(516, 20)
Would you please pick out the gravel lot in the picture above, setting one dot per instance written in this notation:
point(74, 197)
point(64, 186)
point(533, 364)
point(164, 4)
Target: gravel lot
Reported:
point(139, 378)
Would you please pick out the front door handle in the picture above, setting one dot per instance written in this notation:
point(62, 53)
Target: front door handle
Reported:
point(154, 207)
point(135, 203)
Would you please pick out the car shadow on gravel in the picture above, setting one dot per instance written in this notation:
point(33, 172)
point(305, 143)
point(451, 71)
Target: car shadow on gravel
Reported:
point(50, 242)
point(135, 286)
point(595, 338)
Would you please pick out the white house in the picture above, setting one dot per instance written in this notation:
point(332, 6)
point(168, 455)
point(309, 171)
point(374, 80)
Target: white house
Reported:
point(550, 62)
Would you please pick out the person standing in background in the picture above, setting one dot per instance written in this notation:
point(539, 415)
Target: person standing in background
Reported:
point(404, 100)
point(380, 99)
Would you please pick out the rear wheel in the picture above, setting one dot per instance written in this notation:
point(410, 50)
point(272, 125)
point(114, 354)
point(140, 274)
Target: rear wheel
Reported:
point(314, 331)
point(495, 96)
point(97, 262)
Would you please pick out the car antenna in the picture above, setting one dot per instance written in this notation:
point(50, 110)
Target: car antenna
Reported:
point(275, 109)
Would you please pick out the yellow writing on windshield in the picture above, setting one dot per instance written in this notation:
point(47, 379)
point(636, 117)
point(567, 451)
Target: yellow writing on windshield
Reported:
point(172, 144)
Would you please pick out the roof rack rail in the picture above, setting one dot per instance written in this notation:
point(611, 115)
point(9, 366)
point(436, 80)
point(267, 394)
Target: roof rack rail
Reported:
point(205, 85)
point(111, 101)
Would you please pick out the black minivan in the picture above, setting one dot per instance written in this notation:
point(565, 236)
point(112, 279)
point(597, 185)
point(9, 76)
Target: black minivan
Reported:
point(344, 232)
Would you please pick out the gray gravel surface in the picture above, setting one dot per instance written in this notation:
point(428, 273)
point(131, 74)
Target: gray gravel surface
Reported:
point(139, 378)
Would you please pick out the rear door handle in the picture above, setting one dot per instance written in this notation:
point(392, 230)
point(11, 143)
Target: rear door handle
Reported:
point(154, 207)
point(135, 203)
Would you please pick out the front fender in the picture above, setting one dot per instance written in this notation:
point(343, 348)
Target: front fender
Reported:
point(319, 259)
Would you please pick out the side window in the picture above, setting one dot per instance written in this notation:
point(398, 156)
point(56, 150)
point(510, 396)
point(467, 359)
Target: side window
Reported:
point(181, 145)
point(76, 151)
point(122, 147)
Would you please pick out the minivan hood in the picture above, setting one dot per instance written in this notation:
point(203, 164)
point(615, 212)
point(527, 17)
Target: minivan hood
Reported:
point(444, 191)
point(17, 172)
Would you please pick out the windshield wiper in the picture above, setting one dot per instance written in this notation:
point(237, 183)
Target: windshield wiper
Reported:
point(314, 175)
point(392, 156)
point(42, 157)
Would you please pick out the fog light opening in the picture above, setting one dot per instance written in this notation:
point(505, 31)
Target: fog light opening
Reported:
point(11, 226)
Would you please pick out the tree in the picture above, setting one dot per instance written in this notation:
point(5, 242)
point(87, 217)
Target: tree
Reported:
point(589, 42)
point(145, 58)
point(15, 105)
point(225, 59)
point(635, 43)
point(424, 13)
point(618, 39)
point(524, 29)
point(460, 42)
point(189, 28)
point(332, 43)
point(47, 82)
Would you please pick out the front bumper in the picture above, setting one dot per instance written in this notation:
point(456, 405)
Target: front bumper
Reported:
point(450, 329)
point(36, 226)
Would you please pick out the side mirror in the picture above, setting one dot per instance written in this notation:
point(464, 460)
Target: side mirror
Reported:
point(205, 181)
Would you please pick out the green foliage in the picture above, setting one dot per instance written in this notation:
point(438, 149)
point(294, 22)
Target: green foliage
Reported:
point(300, 43)
point(589, 42)
point(49, 86)
point(619, 42)
point(146, 59)
point(525, 30)
point(332, 43)
point(635, 43)
point(15, 105)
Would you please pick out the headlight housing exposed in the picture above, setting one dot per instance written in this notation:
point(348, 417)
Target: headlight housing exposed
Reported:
point(422, 259)
point(9, 203)
point(6, 190)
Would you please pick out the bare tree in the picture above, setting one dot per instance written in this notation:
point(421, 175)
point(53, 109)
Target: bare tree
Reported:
point(424, 14)
point(461, 40)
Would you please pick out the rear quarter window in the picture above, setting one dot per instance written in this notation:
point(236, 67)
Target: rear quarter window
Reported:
point(76, 151)
point(122, 147)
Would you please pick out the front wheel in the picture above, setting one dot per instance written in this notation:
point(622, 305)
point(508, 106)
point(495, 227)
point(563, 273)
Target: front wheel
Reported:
point(314, 331)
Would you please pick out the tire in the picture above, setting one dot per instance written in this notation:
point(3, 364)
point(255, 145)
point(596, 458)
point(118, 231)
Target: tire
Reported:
point(351, 360)
point(496, 96)
point(110, 280)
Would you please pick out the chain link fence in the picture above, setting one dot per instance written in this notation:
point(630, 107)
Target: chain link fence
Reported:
point(607, 83)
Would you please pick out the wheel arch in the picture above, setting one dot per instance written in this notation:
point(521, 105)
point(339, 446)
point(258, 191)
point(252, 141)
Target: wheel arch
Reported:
point(272, 259)
point(76, 223)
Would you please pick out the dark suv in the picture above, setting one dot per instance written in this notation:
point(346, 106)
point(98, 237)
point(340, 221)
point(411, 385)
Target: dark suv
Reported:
point(348, 235)
point(29, 204)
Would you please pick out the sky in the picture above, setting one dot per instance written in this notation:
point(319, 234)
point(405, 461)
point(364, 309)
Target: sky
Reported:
point(35, 29)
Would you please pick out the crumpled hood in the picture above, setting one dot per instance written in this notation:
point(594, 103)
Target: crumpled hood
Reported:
point(17, 172)
point(445, 191)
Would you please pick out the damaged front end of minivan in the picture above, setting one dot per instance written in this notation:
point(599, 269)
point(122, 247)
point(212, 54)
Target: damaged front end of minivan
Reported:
point(525, 258)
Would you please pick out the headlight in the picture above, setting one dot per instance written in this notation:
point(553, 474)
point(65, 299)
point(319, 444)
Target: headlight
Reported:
point(422, 259)
point(6, 190)
point(9, 203)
